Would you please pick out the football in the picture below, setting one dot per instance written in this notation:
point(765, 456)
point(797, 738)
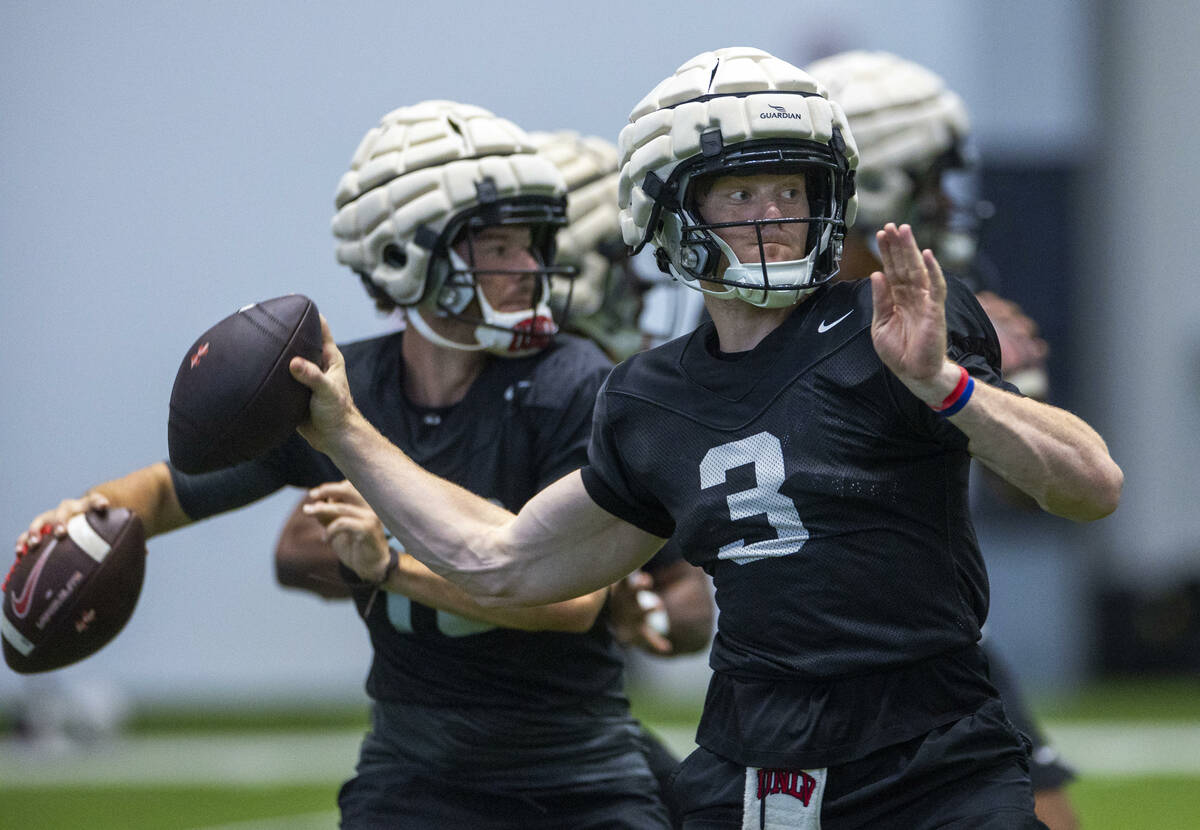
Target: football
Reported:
point(64, 599)
point(234, 398)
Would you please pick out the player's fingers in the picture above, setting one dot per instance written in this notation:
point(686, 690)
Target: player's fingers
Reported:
point(44, 523)
point(639, 581)
point(307, 372)
point(324, 511)
point(329, 349)
point(349, 526)
point(55, 521)
point(655, 642)
point(908, 256)
point(937, 280)
point(324, 492)
point(884, 239)
point(881, 298)
point(343, 491)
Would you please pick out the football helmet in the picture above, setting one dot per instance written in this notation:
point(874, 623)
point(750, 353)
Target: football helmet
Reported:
point(428, 176)
point(915, 164)
point(736, 111)
point(591, 240)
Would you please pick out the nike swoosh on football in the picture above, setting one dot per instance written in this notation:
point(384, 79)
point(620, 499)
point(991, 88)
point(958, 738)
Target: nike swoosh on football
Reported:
point(824, 327)
point(20, 603)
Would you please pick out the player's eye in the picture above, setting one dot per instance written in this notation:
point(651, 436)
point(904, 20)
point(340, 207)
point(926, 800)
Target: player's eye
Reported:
point(490, 250)
point(791, 194)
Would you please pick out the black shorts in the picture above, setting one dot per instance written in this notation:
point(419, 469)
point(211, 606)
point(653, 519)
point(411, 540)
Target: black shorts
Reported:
point(429, 768)
point(1047, 769)
point(971, 774)
point(385, 803)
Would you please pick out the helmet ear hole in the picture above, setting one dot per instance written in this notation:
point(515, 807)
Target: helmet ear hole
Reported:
point(394, 257)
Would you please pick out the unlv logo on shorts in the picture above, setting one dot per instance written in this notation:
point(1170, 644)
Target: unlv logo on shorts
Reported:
point(798, 784)
point(783, 798)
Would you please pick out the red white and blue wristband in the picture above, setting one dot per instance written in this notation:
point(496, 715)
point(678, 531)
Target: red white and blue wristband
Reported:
point(958, 398)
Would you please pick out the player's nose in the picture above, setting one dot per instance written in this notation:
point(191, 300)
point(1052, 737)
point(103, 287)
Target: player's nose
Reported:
point(521, 259)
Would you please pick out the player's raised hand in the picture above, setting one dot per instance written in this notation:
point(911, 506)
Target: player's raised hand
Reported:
point(909, 324)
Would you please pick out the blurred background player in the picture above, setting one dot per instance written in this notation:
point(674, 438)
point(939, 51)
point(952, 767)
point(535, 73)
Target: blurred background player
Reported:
point(625, 303)
point(614, 304)
point(665, 608)
point(915, 166)
point(483, 718)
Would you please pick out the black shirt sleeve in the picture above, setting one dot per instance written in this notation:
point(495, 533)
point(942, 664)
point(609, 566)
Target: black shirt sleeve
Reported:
point(294, 463)
point(565, 393)
point(611, 484)
point(207, 494)
point(971, 339)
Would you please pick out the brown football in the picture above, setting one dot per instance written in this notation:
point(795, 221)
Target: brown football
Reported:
point(66, 598)
point(234, 397)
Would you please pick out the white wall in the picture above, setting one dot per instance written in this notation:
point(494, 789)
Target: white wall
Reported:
point(1140, 306)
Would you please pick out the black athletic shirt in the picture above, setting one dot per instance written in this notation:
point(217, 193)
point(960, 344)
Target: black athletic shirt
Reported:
point(829, 505)
point(523, 424)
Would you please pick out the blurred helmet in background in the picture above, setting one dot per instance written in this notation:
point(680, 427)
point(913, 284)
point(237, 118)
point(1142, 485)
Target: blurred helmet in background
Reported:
point(915, 162)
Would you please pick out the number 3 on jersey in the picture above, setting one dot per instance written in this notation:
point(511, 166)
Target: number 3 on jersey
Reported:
point(766, 454)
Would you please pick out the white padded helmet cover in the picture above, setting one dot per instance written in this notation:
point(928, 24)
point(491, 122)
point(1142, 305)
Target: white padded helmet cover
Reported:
point(903, 118)
point(420, 167)
point(752, 102)
point(589, 165)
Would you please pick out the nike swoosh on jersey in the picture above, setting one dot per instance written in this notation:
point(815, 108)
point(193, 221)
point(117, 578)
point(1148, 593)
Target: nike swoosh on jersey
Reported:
point(20, 603)
point(824, 327)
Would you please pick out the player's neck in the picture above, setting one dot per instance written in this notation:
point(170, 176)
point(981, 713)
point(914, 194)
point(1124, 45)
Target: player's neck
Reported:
point(741, 326)
point(437, 376)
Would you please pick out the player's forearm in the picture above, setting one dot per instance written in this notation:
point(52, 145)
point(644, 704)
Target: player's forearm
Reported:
point(441, 524)
point(149, 493)
point(457, 534)
point(561, 546)
point(1046, 452)
point(416, 581)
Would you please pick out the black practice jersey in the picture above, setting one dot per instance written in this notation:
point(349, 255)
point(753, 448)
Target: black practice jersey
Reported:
point(523, 424)
point(829, 505)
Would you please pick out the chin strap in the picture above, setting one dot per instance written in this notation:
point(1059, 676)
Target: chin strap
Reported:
point(748, 276)
point(517, 333)
point(422, 326)
point(507, 334)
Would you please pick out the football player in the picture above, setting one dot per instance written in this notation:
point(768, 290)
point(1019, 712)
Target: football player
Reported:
point(915, 165)
point(808, 447)
point(482, 717)
point(665, 608)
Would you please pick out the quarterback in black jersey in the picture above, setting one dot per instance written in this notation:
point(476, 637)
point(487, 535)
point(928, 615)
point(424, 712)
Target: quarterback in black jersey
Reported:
point(482, 717)
point(810, 446)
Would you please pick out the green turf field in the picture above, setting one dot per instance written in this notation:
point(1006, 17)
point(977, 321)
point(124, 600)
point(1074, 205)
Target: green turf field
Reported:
point(276, 769)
